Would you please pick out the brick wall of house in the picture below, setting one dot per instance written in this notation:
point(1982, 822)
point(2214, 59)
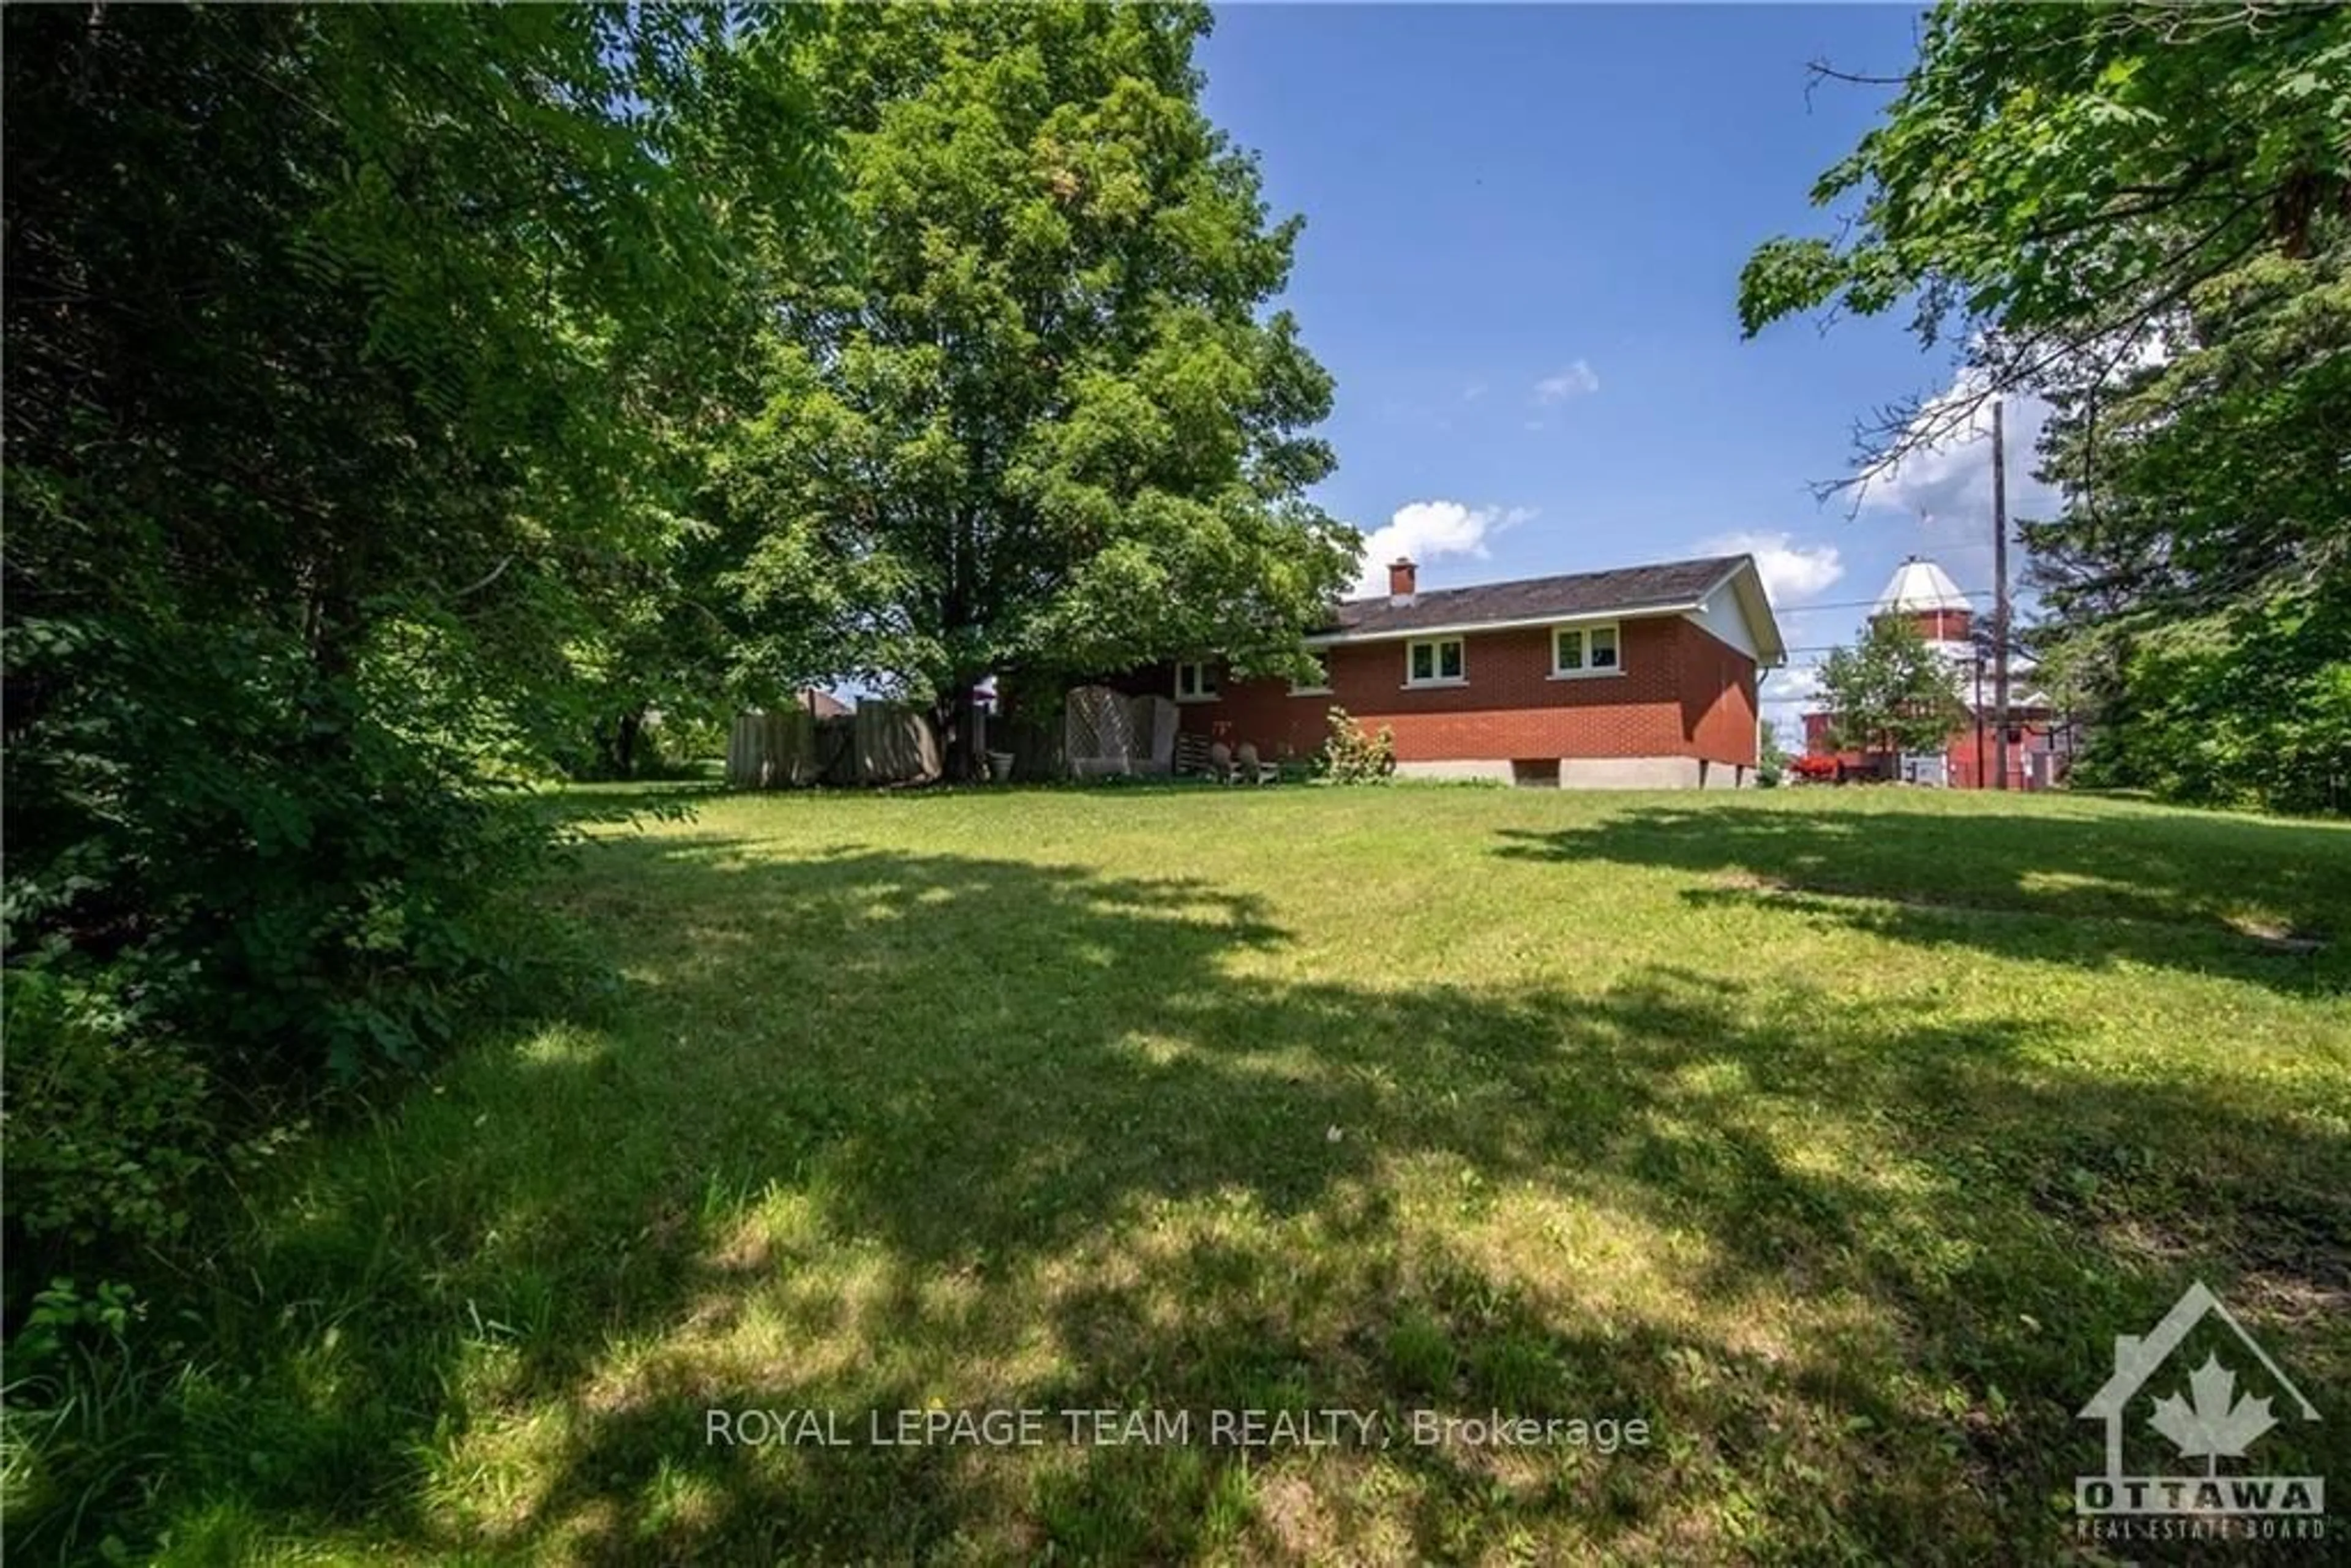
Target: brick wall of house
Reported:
point(1719, 706)
point(1683, 692)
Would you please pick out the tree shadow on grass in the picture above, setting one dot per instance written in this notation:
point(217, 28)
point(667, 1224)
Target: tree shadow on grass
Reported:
point(871, 1131)
point(2254, 899)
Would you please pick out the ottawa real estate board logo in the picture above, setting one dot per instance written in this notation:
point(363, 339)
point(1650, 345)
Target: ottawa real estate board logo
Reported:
point(2203, 1410)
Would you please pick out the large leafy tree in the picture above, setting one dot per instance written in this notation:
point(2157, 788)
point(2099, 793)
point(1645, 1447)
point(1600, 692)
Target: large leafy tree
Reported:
point(1889, 692)
point(2143, 213)
point(354, 357)
point(357, 363)
point(1047, 425)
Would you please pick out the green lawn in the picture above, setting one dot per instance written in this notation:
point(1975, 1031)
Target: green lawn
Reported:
point(1833, 1134)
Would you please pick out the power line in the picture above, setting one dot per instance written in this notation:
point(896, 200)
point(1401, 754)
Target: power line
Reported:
point(1867, 604)
point(1824, 647)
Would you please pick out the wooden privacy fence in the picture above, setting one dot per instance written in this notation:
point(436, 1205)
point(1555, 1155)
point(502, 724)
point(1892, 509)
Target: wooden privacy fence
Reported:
point(883, 743)
point(895, 745)
point(772, 750)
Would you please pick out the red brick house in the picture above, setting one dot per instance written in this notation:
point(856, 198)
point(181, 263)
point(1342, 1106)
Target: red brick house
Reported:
point(1640, 677)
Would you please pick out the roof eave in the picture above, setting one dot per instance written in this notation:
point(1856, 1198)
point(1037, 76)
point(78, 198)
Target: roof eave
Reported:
point(1515, 623)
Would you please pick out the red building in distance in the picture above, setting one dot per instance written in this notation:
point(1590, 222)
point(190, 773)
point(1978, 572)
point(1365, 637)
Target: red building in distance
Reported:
point(2038, 742)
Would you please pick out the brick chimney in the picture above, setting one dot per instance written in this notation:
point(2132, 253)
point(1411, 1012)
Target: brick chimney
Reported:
point(1403, 580)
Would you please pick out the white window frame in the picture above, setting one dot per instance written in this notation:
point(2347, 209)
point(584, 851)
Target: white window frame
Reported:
point(1320, 688)
point(1436, 646)
point(1585, 669)
point(1204, 682)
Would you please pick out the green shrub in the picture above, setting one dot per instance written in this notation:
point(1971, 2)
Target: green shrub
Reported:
point(231, 881)
point(1350, 756)
point(296, 875)
point(235, 878)
point(61, 1316)
point(2250, 709)
point(75, 1443)
point(105, 1128)
point(662, 746)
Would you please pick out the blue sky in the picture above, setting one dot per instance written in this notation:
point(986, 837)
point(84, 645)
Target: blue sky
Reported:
point(1525, 227)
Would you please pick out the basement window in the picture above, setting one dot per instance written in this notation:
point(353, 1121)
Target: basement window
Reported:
point(1584, 651)
point(1195, 683)
point(1435, 662)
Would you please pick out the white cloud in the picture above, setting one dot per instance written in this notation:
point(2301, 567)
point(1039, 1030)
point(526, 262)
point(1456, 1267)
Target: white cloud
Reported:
point(1430, 530)
point(1787, 695)
point(1573, 381)
point(1791, 572)
point(1473, 392)
point(1945, 476)
point(1792, 682)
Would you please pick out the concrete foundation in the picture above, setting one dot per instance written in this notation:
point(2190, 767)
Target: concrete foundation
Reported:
point(1594, 772)
point(1631, 773)
point(1725, 776)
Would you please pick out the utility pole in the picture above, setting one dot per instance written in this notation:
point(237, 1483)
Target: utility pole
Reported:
point(1979, 663)
point(1999, 599)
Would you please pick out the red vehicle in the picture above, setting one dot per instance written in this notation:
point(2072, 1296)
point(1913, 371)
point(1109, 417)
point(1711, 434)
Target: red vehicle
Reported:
point(1813, 769)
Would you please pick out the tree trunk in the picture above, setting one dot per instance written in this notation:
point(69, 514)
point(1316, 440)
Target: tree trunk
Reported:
point(959, 758)
point(333, 626)
point(624, 743)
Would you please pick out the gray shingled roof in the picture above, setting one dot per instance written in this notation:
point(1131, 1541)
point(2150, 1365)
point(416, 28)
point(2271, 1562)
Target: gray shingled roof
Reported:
point(1625, 590)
